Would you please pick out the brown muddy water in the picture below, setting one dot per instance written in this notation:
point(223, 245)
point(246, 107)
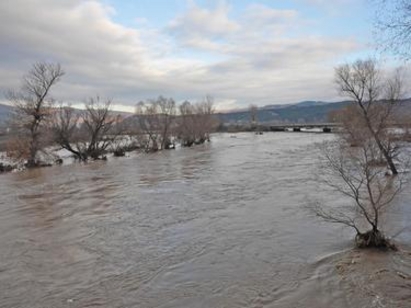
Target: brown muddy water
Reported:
point(219, 225)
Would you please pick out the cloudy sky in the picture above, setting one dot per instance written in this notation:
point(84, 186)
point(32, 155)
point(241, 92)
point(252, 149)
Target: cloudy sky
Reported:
point(238, 51)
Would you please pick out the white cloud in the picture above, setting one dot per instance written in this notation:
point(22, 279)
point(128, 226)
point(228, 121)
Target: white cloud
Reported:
point(261, 56)
point(263, 64)
point(79, 34)
point(263, 14)
point(335, 7)
point(199, 21)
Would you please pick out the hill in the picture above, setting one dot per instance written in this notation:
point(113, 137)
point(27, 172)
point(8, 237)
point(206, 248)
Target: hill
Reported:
point(304, 112)
point(307, 111)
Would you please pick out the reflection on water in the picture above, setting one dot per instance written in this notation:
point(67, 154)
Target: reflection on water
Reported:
point(219, 225)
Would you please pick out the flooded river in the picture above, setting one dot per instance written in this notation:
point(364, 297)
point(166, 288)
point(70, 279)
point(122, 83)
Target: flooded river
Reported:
point(219, 225)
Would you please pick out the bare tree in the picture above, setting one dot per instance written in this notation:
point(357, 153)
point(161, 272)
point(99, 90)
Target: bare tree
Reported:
point(147, 125)
point(186, 128)
point(196, 122)
point(87, 133)
point(98, 125)
point(368, 192)
point(375, 100)
point(66, 132)
point(393, 26)
point(253, 109)
point(354, 130)
point(167, 114)
point(155, 118)
point(159, 124)
point(205, 119)
point(33, 107)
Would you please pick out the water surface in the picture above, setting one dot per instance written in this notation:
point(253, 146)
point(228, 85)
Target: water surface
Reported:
point(218, 225)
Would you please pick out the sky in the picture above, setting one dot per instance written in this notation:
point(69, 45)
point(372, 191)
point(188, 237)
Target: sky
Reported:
point(239, 52)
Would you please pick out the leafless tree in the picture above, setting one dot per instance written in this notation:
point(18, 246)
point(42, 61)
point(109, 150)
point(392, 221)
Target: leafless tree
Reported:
point(196, 122)
point(368, 192)
point(354, 130)
point(159, 124)
point(155, 118)
point(375, 100)
point(147, 124)
point(186, 128)
point(98, 124)
point(167, 114)
point(253, 109)
point(393, 26)
point(205, 119)
point(66, 133)
point(32, 108)
point(87, 133)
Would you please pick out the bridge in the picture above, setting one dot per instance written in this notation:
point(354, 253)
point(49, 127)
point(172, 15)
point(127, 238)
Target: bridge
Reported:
point(325, 127)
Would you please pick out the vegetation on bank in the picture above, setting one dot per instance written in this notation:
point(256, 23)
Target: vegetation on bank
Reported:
point(38, 124)
point(362, 164)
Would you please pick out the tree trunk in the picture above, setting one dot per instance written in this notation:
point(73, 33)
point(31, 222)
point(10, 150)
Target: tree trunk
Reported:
point(387, 156)
point(373, 239)
point(384, 152)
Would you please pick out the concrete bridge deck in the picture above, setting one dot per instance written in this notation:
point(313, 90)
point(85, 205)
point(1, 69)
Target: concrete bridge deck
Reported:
point(297, 127)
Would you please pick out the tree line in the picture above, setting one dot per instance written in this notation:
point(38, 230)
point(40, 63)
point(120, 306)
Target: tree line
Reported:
point(39, 122)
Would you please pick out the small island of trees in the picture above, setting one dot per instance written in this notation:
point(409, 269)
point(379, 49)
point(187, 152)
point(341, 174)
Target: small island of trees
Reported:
point(39, 125)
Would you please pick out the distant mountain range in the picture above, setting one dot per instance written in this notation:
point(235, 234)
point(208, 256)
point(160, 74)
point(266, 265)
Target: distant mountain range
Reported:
point(303, 112)
point(307, 111)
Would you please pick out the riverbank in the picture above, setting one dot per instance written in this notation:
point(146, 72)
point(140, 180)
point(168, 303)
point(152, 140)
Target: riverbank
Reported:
point(56, 156)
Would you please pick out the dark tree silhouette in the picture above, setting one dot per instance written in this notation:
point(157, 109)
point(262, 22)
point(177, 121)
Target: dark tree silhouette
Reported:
point(33, 107)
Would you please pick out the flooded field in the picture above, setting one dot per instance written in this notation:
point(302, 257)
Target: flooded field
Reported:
point(219, 225)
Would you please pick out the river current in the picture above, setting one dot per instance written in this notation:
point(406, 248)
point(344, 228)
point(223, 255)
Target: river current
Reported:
point(218, 225)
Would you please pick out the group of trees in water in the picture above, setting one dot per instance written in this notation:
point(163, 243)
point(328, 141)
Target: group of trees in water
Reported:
point(38, 122)
point(362, 163)
point(162, 122)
